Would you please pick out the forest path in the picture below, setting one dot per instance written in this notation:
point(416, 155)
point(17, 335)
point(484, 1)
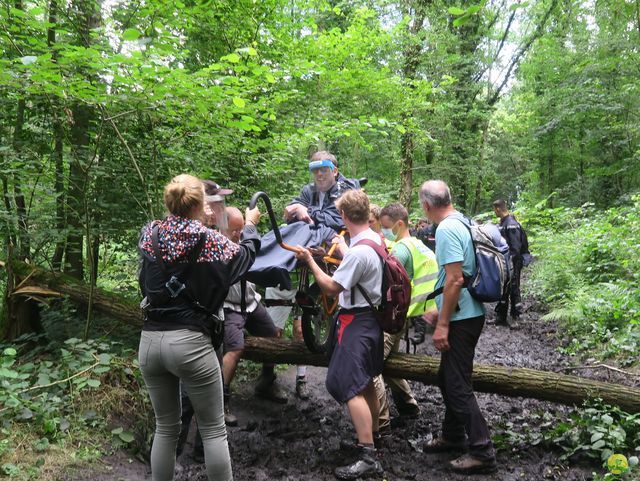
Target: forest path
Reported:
point(299, 440)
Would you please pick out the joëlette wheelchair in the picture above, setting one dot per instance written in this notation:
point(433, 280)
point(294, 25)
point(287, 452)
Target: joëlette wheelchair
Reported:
point(316, 309)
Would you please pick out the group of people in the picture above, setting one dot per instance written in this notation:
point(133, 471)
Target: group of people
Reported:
point(192, 281)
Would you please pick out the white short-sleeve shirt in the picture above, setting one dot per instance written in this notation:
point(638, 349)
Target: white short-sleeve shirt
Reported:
point(360, 265)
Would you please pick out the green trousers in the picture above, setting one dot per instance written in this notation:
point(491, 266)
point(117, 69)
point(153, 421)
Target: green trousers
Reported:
point(166, 359)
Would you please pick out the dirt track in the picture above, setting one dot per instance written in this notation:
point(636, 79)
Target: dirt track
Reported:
point(299, 440)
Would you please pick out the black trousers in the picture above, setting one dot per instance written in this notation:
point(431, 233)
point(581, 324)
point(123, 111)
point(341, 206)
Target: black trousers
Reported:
point(463, 420)
point(513, 296)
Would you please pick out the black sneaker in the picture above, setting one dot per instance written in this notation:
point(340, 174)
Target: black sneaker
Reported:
point(366, 465)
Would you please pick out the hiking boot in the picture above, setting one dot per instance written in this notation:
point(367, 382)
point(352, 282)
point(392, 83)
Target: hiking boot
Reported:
point(302, 391)
point(468, 464)
point(440, 445)
point(267, 388)
point(366, 465)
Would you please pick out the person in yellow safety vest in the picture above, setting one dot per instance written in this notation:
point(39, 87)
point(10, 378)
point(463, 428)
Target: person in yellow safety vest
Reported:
point(420, 263)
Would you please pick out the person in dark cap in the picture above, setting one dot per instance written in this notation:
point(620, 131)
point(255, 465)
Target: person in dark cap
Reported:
point(215, 206)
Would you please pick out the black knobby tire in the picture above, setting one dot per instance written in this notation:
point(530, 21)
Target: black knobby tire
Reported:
point(316, 328)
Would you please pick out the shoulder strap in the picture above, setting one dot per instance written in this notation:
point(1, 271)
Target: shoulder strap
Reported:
point(192, 259)
point(382, 254)
point(379, 248)
point(156, 249)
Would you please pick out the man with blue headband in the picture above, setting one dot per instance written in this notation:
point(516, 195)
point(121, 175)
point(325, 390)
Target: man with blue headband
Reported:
point(315, 204)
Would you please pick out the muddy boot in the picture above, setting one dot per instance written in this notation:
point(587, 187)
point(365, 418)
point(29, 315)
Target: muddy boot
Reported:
point(229, 418)
point(302, 391)
point(419, 331)
point(366, 465)
point(267, 388)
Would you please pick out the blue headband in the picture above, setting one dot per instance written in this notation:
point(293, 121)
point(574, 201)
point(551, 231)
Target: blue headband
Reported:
point(318, 164)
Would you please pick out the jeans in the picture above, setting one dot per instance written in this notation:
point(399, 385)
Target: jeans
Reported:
point(167, 358)
point(463, 419)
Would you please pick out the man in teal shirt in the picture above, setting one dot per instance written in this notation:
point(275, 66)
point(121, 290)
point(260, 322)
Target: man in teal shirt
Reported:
point(458, 328)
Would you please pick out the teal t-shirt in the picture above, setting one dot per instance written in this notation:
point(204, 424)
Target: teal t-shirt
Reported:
point(453, 244)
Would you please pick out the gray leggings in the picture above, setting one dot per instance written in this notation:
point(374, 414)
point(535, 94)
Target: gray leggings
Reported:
point(166, 358)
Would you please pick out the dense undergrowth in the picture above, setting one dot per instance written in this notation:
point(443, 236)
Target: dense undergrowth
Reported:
point(64, 405)
point(587, 274)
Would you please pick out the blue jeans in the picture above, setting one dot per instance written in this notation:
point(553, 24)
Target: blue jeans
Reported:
point(167, 358)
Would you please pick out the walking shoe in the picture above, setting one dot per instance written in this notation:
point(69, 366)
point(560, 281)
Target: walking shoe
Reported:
point(468, 464)
point(440, 445)
point(267, 388)
point(302, 391)
point(366, 465)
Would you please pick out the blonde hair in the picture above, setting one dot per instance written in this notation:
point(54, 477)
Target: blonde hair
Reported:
point(183, 194)
point(355, 206)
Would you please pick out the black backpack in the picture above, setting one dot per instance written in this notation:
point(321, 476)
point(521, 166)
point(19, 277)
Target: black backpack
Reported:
point(176, 287)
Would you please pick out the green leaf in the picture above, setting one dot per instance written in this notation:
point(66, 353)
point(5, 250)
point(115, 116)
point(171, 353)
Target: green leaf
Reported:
point(270, 78)
point(238, 102)
point(130, 34)
point(457, 11)
point(9, 351)
point(126, 436)
point(599, 444)
point(473, 9)
point(104, 358)
point(232, 57)
point(458, 22)
point(93, 382)
point(596, 437)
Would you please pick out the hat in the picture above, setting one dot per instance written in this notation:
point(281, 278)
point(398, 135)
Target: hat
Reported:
point(211, 188)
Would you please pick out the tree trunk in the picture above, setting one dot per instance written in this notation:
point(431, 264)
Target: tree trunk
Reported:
point(506, 381)
point(58, 148)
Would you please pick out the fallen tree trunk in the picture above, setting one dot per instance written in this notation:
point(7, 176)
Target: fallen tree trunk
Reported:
point(508, 381)
point(571, 390)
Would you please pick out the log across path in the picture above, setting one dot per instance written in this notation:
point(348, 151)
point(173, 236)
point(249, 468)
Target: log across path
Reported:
point(509, 381)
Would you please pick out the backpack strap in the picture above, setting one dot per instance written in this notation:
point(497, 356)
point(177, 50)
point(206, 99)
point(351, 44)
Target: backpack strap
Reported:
point(174, 285)
point(382, 254)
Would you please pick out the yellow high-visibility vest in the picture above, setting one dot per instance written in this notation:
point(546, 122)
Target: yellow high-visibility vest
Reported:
point(425, 275)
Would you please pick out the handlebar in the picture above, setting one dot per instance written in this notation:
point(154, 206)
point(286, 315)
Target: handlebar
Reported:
point(272, 218)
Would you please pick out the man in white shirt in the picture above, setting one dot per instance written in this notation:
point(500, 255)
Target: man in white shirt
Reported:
point(357, 351)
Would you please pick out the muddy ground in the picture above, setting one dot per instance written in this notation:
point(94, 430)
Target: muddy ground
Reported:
point(299, 440)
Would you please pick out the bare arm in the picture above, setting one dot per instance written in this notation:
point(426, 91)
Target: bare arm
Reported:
point(451, 294)
point(326, 283)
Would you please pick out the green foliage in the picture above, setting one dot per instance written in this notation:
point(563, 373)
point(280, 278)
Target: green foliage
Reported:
point(588, 275)
point(598, 431)
point(53, 397)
